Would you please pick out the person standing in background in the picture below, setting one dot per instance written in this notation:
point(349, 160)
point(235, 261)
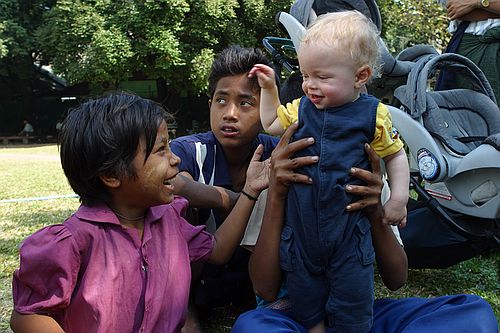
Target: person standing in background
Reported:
point(475, 27)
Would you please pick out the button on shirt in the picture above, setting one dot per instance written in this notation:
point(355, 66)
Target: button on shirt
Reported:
point(91, 274)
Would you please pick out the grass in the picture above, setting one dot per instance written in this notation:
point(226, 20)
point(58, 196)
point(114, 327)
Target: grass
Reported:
point(35, 171)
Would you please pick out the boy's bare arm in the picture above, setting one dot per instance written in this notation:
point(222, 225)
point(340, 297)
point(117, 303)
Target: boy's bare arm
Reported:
point(204, 196)
point(398, 173)
point(228, 236)
point(275, 128)
point(399, 178)
point(470, 10)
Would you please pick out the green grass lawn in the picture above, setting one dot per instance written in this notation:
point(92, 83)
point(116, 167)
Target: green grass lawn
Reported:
point(27, 172)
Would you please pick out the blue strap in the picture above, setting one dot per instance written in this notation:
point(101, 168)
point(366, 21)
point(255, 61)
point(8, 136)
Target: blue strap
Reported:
point(446, 79)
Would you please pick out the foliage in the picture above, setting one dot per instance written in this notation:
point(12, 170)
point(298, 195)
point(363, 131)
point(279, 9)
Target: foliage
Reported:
point(406, 23)
point(18, 21)
point(108, 41)
point(102, 41)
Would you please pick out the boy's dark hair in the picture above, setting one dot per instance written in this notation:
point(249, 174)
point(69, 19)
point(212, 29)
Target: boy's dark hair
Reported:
point(291, 88)
point(101, 136)
point(234, 60)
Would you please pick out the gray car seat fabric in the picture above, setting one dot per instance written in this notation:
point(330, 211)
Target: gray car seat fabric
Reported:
point(460, 118)
point(494, 141)
point(426, 67)
point(301, 9)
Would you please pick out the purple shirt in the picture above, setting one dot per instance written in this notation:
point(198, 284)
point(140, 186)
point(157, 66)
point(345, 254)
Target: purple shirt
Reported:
point(93, 275)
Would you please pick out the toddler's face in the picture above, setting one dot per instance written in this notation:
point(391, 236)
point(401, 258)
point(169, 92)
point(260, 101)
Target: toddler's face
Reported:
point(329, 75)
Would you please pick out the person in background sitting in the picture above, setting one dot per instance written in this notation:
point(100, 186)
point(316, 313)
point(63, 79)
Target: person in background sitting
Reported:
point(27, 130)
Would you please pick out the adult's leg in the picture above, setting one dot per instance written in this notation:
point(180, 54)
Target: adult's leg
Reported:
point(454, 313)
point(266, 320)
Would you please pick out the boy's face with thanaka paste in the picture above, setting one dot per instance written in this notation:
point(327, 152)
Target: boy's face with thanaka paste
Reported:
point(153, 184)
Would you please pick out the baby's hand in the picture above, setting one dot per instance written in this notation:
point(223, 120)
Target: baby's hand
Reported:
point(265, 76)
point(395, 213)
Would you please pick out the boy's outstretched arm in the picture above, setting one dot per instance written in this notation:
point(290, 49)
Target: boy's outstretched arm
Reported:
point(228, 236)
point(33, 323)
point(204, 196)
point(269, 98)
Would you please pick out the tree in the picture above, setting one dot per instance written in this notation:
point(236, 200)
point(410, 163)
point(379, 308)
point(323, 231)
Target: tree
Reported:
point(106, 42)
point(19, 50)
point(110, 41)
point(406, 23)
point(100, 40)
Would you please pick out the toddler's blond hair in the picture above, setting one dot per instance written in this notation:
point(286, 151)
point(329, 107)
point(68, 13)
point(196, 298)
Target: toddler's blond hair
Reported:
point(347, 30)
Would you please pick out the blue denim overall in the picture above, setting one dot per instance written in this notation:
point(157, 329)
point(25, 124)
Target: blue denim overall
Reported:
point(327, 253)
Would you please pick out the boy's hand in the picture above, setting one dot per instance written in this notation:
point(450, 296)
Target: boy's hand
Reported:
point(395, 213)
point(369, 193)
point(265, 76)
point(257, 173)
point(284, 163)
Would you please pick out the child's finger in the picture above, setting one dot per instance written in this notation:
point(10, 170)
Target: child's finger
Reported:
point(365, 192)
point(258, 153)
point(366, 176)
point(358, 205)
point(374, 159)
point(285, 138)
point(256, 69)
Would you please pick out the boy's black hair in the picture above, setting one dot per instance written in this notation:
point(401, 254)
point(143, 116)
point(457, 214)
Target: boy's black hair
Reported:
point(291, 88)
point(101, 136)
point(234, 60)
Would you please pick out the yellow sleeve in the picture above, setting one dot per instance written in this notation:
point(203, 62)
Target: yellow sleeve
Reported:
point(386, 140)
point(288, 114)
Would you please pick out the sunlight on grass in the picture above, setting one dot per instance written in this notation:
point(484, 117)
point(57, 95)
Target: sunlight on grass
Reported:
point(27, 172)
point(31, 172)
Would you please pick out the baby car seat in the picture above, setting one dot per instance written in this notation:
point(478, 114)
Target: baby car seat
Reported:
point(453, 135)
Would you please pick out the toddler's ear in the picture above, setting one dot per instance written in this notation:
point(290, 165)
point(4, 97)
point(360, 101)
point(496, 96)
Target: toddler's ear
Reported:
point(110, 181)
point(363, 74)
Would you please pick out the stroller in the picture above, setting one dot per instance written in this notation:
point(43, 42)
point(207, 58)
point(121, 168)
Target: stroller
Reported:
point(453, 139)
